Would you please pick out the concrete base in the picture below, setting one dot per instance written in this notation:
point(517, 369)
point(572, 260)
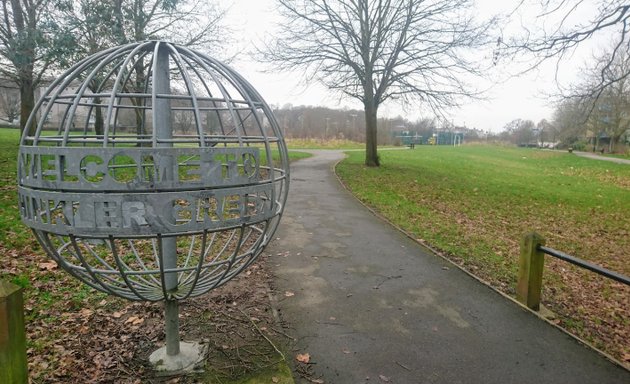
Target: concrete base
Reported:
point(190, 355)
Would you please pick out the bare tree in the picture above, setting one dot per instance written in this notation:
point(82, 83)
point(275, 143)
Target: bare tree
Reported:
point(9, 104)
point(546, 133)
point(569, 120)
point(610, 105)
point(379, 50)
point(520, 132)
point(602, 109)
point(30, 42)
point(100, 24)
point(195, 23)
point(559, 28)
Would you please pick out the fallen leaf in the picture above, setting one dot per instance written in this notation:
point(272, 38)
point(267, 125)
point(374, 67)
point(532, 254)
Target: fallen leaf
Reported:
point(275, 379)
point(48, 266)
point(117, 315)
point(134, 320)
point(303, 358)
point(86, 312)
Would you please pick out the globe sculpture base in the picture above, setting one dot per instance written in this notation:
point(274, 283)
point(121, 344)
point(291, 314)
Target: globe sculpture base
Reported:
point(190, 356)
point(176, 356)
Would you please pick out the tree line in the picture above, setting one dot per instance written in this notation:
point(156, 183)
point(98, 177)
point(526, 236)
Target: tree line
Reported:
point(322, 123)
point(587, 115)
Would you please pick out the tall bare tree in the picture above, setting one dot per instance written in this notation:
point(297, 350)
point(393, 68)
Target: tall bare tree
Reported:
point(610, 105)
point(570, 121)
point(377, 50)
point(30, 42)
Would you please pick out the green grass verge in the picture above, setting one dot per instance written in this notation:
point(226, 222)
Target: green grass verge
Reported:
point(12, 233)
point(475, 202)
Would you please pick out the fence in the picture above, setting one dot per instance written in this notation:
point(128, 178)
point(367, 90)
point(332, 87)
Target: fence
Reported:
point(533, 250)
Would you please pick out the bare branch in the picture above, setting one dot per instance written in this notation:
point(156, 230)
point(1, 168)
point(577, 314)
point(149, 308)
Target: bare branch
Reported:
point(610, 18)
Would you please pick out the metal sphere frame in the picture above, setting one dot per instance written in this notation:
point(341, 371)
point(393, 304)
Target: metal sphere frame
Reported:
point(165, 176)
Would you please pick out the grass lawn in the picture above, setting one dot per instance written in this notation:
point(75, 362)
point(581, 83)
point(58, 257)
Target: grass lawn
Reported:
point(67, 320)
point(475, 202)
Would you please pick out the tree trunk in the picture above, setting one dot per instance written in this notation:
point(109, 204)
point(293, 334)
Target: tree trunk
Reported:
point(140, 88)
point(596, 142)
point(27, 99)
point(98, 118)
point(371, 156)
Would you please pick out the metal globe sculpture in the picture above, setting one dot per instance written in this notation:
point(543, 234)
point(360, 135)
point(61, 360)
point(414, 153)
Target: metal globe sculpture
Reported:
point(165, 174)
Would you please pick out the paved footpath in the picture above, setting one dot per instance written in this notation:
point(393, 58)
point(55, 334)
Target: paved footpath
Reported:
point(371, 306)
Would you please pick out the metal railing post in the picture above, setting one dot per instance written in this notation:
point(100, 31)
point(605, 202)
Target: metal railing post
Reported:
point(530, 272)
point(13, 365)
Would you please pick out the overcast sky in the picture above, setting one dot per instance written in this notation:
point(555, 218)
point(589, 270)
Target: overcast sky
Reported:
point(522, 97)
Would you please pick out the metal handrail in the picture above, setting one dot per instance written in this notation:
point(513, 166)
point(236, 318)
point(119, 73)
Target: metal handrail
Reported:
point(585, 264)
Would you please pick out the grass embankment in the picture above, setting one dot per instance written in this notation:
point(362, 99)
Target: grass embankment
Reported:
point(474, 203)
point(76, 334)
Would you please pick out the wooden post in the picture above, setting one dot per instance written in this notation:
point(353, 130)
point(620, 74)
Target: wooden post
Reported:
point(530, 273)
point(12, 335)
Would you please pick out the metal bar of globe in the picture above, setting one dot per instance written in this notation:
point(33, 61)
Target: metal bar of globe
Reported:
point(163, 139)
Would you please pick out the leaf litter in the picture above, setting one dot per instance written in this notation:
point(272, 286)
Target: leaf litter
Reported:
point(75, 334)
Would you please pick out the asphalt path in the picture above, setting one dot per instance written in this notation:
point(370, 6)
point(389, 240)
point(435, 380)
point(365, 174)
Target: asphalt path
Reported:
point(369, 305)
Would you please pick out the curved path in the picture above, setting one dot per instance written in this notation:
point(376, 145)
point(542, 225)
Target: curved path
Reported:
point(371, 306)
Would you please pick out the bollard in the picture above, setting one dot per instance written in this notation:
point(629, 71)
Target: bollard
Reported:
point(530, 272)
point(12, 335)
